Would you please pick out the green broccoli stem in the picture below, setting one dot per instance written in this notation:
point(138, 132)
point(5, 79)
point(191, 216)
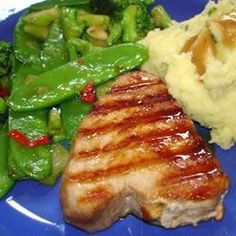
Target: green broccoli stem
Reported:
point(161, 17)
point(84, 47)
point(39, 32)
point(43, 17)
point(129, 24)
point(115, 33)
point(92, 19)
point(71, 28)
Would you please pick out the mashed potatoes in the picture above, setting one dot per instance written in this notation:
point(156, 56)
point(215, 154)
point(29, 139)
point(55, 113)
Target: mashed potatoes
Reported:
point(197, 60)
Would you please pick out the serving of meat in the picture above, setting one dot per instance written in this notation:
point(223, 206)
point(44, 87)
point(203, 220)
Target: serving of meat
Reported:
point(137, 152)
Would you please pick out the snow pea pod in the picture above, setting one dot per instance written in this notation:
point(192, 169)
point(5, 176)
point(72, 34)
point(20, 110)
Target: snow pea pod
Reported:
point(64, 82)
point(5, 181)
point(73, 111)
point(26, 48)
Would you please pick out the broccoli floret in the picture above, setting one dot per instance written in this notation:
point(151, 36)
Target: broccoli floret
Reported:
point(144, 21)
point(5, 57)
point(109, 6)
point(130, 19)
point(102, 6)
point(136, 22)
point(124, 3)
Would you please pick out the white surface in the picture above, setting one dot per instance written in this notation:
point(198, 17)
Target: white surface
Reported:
point(9, 7)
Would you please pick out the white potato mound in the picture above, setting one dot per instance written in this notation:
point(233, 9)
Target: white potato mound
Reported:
point(208, 96)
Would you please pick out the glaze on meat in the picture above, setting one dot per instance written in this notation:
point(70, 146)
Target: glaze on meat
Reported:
point(137, 152)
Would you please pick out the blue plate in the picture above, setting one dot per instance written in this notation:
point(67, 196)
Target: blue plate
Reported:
point(33, 209)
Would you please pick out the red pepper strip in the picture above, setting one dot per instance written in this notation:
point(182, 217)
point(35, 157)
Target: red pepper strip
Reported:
point(23, 140)
point(4, 93)
point(88, 94)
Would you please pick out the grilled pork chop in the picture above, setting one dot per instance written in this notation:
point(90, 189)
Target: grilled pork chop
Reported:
point(138, 153)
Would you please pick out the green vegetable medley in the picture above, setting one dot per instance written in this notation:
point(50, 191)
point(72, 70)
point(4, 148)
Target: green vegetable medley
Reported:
point(64, 54)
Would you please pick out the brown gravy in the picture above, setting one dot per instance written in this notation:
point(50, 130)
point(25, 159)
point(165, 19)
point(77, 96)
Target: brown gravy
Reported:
point(227, 25)
point(201, 44)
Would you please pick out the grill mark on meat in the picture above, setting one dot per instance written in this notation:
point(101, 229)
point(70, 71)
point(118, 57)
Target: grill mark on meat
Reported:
point(137, 118)
point(180, 131)
point(203, 172)
point(117, 116)
point(117, 104)
point(197, 169)
point(140, 162)
point(133, 86)
point(123, 156)
point(100, 193)
point(199, 188)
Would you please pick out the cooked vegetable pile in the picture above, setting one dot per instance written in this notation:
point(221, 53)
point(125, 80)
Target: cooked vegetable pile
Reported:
point(65, 52)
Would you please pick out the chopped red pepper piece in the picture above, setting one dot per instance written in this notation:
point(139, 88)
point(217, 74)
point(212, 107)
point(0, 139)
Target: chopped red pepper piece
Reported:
point(43, 140)
point(23, 140)
point(4, 93)
point(88, 94)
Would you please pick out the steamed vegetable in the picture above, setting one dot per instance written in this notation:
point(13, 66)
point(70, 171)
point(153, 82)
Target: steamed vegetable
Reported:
point(161, 17)
point(30, 154)
point(25, 161)
point(130, 20)
point(136, 23)
point(93, 19)
point(43, 17)
point(115, 32)
point(64, 82)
